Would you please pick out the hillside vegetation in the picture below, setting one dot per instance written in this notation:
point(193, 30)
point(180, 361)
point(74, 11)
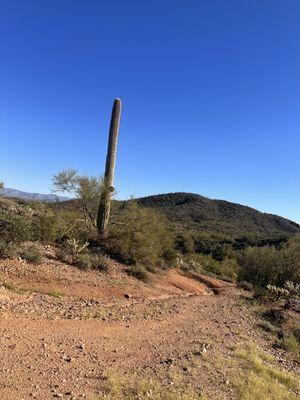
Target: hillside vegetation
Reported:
point(193, 213)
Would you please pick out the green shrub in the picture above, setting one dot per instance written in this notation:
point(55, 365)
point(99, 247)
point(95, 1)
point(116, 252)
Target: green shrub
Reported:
point(8, 250)
point(44, 228)
point(103, 264)
point(275, 315)
point(89, 260)
point(14, 228)
point(261, 294)
point(190, 266)
point(245, 286)
point(267, 265)
point(290, 343)
point(140, 236)
point(83, 261)
point(64, 254)
point(31, 252)
point(269, 327)
point(139, 272)
point(184, 244)
point(225, 269)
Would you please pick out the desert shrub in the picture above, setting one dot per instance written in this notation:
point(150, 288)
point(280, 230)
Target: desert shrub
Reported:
point(169, 257)
point(84, 261)
point(101, 262)
point(267, 265)
point(139, 272)
point(64, 254)
point(261, 294)
point(184, 244)
point(290, 343)
point(190, 266)
point(14, 228)
point(275, 316)
point(225, 269)
point(140, 236)
point(8, 250)
point(30, 252)
point(245, 286)
point(269, 327)
point(88, 260)
point(44, 228)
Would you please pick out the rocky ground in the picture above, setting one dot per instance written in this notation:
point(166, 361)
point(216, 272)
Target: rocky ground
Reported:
point(71, 334)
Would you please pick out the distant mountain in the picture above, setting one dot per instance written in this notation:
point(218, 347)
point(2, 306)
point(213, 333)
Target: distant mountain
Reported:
point(49, 198)
point(195, 213)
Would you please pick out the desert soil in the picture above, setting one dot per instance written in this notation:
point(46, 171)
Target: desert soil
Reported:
point(63, 331)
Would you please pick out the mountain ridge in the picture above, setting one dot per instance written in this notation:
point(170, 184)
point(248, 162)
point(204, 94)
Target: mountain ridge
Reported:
point(19, 194)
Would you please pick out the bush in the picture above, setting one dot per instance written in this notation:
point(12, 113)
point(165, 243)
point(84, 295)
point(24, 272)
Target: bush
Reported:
point(276, 316)
point(89, 260)
point(226, 269)
point(64, 254)
point(184, 244)
point(8, 250)
point(103, 264)
point(84, 261)
point(44, 228)
point(31, 252)
point(269, 327)
point(267, 265)
point(139, 272)
point(14, 228)
point(140, 236)
point(245, 286)
point(290, 343)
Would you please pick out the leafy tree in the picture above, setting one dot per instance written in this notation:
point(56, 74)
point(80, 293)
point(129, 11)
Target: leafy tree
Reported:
point(1, 185)
point(86, 190)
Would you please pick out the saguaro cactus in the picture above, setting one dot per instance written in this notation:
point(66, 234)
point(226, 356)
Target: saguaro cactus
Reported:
point(106, 196)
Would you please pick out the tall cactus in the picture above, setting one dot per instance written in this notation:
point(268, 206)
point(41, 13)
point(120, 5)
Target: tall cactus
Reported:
point(106, 196)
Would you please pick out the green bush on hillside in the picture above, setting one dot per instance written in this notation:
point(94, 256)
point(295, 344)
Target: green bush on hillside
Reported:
point(140, 236)
point(13, 228)
point(267, 265)
point(226, 269)
point(30, 252)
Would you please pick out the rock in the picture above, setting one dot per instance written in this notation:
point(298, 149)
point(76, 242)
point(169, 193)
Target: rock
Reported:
point(127, 296)
point(67, 358)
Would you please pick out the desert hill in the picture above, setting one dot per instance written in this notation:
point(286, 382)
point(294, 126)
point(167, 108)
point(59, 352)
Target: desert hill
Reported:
point(195, 213)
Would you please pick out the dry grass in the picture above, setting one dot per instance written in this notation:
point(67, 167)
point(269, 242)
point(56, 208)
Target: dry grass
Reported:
point(257, 377)
point(136, 388)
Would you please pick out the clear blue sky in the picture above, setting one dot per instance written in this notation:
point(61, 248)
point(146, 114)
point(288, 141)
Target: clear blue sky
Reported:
point(210, 91)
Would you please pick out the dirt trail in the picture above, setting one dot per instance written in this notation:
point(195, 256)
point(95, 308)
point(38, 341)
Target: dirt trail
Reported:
point(63, 347)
